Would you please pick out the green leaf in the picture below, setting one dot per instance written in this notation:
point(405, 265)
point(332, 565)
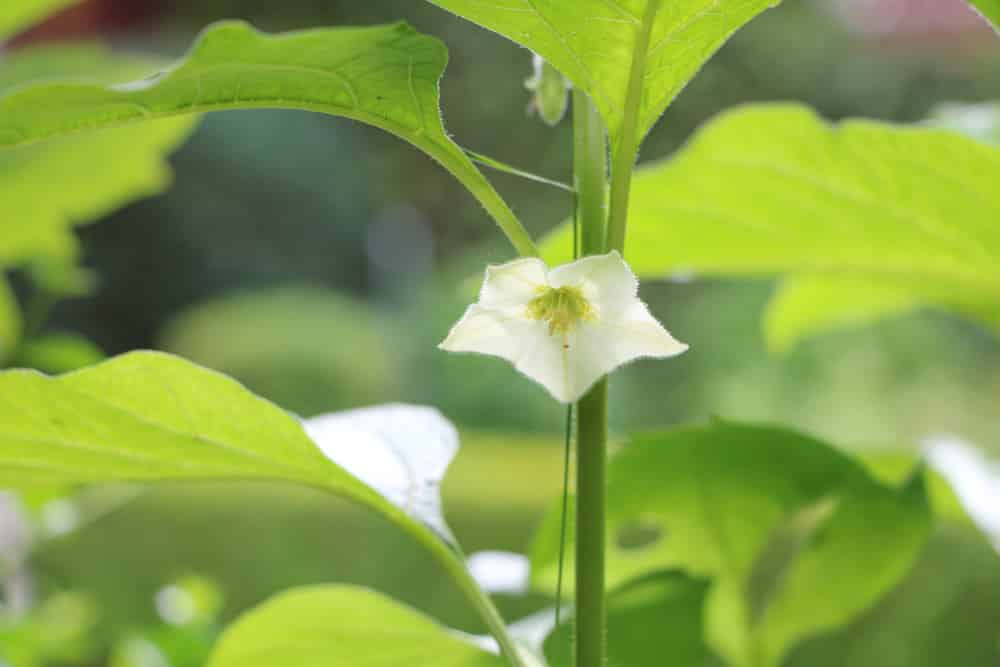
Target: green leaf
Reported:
point(58, 353)
point(97, 173)
point(947, 612)
point(386, 76)
point(18, 15)
point(154, 417)
point(10, 320)
point(648, 619)
point(773, 189)
point(806, 306)
point(775, 520)
point(148, 417)
point(323, 626)
point(601, 44)
point(989, 9)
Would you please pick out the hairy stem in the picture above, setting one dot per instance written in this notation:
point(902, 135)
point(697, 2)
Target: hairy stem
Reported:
point(590, 166)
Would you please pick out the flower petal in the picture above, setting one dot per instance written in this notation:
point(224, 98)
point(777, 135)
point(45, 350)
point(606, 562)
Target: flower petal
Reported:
point(605, 345)
point(606, 280)
point(512, 285)
point(484, 331)
point(525, 343)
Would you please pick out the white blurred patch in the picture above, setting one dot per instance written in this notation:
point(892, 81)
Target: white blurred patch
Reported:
point(60, 517)
point(401, 451)
point(175, 605)
point(975, 479)
point(15, 533)
point(500, 571)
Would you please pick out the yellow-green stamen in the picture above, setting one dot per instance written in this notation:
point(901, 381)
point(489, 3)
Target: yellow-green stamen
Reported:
point(562, 307)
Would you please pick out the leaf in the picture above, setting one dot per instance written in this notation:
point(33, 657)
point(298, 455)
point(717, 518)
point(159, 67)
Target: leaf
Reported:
point(773, 189)
point(401, 451)
point(598, 44)
point(10, 321)
point(807, 306)
point(323, 626)
point(58, 353)
point(648, 620)
point(990, 9)
point(714, 501)
point(946, 612)
point(147, 416)
point(18, 15)
point(97, 173)
point(386, 76)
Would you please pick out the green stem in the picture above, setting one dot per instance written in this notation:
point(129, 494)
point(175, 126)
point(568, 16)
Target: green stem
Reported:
point(591, 612)
point(491, 201)
point(627, 145)
point(590, 166)
point(455, 562)
point(590, 173)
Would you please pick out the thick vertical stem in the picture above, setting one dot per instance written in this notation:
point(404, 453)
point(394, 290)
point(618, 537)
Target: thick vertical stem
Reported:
point(591, 614)
point(590, 173)
point(590, 167)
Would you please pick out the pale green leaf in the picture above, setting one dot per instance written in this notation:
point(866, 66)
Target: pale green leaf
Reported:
point(773, 189)
point(774, 519)
point(598, 44)
point(147, 416)
point(327, 626)
point(96, 173)
point(10, 320)
point(806, 306)
point(989, 9)
point(386, 76)
point(652, 622)
point(18, 15)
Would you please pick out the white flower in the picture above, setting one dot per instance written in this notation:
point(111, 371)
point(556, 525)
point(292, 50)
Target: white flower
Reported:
point(565, 328)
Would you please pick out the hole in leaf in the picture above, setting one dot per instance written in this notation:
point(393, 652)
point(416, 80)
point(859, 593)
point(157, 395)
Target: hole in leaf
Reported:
point(639, 534)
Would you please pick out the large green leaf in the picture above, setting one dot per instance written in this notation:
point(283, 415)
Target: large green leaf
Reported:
point(17, 15)
point(10, 320)
point(988, 8)
point(96, 173)
point(774, 519)
point(773, 189)
point(386, 76)
point(946, 613)
point(652, 622)
point(148, 417)
point(810, 305)
point(327, 626)
point(600, 45)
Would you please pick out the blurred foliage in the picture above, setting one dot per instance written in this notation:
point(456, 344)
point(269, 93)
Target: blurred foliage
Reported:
point(270, 199)
point(300, 347)
point(17, 16)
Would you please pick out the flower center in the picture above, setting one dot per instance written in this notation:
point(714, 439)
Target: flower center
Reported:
point(562, 307)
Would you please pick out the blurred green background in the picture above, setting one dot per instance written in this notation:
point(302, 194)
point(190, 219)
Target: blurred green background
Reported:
point(321, 261)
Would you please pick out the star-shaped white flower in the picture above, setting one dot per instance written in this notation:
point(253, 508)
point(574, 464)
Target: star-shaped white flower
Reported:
point(564, 328)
